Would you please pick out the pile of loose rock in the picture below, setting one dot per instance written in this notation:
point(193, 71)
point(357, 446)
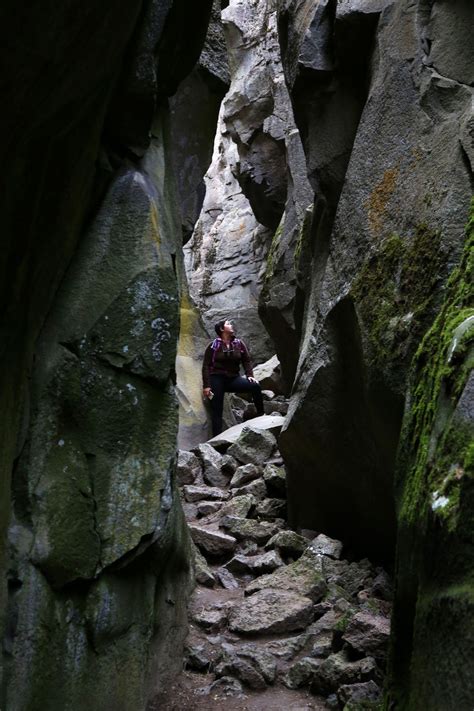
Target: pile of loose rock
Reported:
point(273, 606)
point(243, 409)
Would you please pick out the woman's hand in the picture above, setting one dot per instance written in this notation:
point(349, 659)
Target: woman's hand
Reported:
point(206, 392)
point(250, 379)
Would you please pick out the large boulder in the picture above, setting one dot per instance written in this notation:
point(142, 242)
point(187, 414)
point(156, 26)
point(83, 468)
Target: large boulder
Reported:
point(213, 543)
point(269, 376)
point(270, 423)
point(305, 577)
point(188, 468)
point(253, 446)
point(271, 611)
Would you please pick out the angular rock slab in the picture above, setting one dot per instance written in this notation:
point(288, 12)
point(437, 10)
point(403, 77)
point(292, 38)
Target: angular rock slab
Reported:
point(338, 670)
point(271, 423)
point(275, 478)
point(257, 564)
point(244, 528)
point(288, 543)
point(253, 446)
point(204, 493)
point(304, 577)
point(212, 464)
point(214, 543)
point(244, 474)
point(327, 546)
point(256, 488)
point(369, 633)
point(202, 572)
point(270, 509)
point(188, 468)
point(271, 611)
point(268, 375)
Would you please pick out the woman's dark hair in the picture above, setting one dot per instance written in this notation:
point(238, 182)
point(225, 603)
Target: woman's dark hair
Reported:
point(219, 327)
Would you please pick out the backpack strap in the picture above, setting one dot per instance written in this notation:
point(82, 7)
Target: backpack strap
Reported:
point(215, 345)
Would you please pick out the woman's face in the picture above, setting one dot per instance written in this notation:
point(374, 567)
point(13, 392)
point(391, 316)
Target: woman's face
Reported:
point(228, 328)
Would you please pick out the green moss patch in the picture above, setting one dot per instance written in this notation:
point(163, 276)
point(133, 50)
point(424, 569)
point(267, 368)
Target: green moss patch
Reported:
point(435, 491)
point(394, 295)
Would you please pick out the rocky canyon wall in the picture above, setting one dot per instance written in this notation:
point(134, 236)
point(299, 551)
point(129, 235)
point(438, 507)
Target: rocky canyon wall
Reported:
point(323, 154)
point(98, 554)
point(348, 132)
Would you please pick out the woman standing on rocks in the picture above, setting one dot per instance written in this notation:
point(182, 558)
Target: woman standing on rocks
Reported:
point(220, 372)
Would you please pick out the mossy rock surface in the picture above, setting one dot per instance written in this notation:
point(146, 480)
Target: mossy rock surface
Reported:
point(434, 602)
point(107, 573)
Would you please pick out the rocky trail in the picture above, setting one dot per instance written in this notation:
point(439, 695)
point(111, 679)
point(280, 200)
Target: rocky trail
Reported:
point(279, 619)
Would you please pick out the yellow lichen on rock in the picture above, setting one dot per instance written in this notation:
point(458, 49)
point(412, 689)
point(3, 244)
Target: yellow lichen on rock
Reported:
point(193, 417)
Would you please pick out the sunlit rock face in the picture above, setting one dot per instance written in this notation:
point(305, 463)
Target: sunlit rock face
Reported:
point(98, 552)
point(257, 173)
point(194, 109)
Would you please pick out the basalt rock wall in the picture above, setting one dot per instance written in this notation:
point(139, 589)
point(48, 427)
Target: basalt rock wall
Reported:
point(387, 230)
point(98, 554)
point(365, 186)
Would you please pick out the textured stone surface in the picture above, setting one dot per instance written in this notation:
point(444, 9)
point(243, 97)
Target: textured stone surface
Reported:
point(271, 611)
point(301, 672)
point(244, 474)
point(268, 375)
point(288, 543)
point(213, 543)
point(256, 488)
point(87, 262)
point(253, 446)
point(194, 415)
point(275, 478)
point(202, 572)
point(204, 493)
point(100, 457)
point(223, 273)
point(358, 694)
point(368, 633)
point(258, 564)
point(243, 528)
point(433, 602)
point(212, 462)
point(338, 670)
point(264, 422)
point(270, 509)
point(327, 546)
point(188, 468)
point(271, 168)
point(395, 215)
point(209, 618)
point(304, 576)
point(204, 508)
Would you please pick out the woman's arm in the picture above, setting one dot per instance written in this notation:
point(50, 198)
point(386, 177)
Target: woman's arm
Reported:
point(246, 362)
point(206, 383)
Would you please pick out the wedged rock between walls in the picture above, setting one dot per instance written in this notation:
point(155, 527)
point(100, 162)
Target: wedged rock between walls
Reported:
point(98, 554)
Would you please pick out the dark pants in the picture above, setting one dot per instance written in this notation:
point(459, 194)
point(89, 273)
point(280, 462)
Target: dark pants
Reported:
point(221, 384)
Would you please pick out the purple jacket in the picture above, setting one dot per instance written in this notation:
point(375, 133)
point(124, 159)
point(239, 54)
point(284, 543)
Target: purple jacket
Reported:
point(222, 360)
